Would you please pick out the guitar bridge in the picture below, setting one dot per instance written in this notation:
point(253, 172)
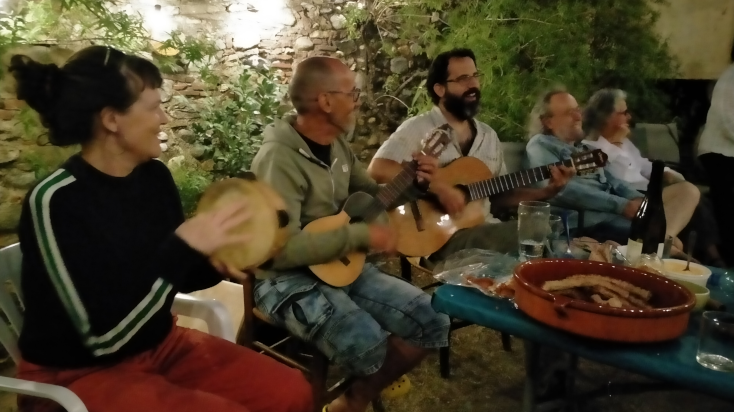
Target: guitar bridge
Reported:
point(419, 224)
point(345, 261)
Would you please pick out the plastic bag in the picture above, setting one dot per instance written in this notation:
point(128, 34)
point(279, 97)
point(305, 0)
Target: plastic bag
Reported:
point(486, 270)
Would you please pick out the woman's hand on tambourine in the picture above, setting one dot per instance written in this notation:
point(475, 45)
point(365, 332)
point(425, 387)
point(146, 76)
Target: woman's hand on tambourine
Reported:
point(209, 231)
point(228, 271)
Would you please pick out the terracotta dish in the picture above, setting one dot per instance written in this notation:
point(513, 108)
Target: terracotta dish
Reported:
point(668, 320)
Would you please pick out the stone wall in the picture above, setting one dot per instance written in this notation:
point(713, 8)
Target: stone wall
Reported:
point(277, 33)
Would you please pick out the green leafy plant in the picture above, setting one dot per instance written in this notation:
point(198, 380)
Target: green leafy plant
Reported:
point(73, 24)
point(45, 160)
point(38, 166)
point(28, 124)
point(523, 47)
point(232, 121)
point(191, 182)
point(356, 16)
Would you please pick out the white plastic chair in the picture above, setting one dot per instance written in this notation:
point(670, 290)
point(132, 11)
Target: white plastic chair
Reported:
point(210, 311)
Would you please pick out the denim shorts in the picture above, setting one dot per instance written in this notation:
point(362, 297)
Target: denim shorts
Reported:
point(350, 325)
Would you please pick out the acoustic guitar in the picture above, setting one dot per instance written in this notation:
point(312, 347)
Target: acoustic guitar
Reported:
point(423, 227)
point(268, 223)
point(361, 207)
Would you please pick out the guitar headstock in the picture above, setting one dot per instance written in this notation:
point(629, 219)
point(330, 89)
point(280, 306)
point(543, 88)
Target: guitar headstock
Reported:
point(587, 162)
point(436, 141)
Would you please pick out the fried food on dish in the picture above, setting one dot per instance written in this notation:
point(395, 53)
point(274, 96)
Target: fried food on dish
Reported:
point(598, 252)
point(619, 286)
point(491, 287)
point(602, 290)
point(613, 302)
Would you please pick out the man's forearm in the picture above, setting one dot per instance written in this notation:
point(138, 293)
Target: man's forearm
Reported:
point(308, 248)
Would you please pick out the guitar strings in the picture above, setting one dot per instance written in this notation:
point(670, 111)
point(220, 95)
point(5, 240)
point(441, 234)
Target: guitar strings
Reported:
point(499, 184)
point(391, 191)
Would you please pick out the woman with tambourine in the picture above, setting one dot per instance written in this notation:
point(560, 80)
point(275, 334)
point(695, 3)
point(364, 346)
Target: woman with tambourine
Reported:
point(106, 248)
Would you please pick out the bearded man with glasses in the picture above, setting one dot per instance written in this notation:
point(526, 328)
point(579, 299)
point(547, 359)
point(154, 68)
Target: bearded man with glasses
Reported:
point(453, 84)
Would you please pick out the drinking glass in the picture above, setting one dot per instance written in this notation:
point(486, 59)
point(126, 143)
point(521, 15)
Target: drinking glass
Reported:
point(532, 229)
point(555, 234)
point(716, 341)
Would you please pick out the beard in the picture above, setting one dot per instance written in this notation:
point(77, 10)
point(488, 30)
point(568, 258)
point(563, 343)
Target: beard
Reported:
point(347, 125)
point(576, 134)
point(460, 107)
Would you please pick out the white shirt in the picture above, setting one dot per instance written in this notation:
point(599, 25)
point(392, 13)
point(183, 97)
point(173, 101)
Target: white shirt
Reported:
point(407, 139)
point(626, 162)
point(718, 135)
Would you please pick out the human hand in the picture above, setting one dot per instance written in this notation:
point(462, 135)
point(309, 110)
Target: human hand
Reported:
point(630, 210)
point(227, 270)
point(427, 166)
point(560, 175)
point(209, 231)
point(382, 238)
point(452, 199)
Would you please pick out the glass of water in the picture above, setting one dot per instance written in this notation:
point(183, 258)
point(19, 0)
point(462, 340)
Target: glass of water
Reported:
point(532, 229)
point(716, 341)
point(555, 235)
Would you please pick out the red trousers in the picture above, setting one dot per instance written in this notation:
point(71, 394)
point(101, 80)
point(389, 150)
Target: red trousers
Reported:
point(189, 371)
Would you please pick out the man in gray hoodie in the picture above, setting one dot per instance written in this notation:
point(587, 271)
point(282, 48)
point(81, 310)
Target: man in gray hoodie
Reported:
point(378, 327)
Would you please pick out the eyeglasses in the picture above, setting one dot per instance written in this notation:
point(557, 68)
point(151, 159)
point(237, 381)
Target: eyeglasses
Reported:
point(465, 78)
point(355, 93)
point(625, 112)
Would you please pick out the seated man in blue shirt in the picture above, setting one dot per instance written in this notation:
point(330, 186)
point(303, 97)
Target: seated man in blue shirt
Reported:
point(609, 204)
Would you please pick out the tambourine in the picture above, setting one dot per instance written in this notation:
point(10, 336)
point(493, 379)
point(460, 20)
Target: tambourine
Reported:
point(267, 226)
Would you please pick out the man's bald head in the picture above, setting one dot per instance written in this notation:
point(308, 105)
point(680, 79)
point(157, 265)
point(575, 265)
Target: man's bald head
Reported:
point(313, 76)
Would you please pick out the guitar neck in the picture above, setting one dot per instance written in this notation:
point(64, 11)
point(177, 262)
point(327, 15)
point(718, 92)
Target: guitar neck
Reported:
point(504, 183)
point(388, 194)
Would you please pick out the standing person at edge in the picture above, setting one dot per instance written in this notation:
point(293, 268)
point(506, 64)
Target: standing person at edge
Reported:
point(453, 84)
point(379, 327)
point(716, 154)
point(106, 248)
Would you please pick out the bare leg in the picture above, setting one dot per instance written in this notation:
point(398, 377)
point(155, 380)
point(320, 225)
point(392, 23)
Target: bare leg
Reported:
point(679, 201)
point(400, 359)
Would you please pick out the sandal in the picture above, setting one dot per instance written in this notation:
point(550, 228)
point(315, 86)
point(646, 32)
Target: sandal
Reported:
point(398, 388)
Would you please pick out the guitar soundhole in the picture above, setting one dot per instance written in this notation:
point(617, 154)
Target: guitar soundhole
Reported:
point(345, 261)
point(283, 218)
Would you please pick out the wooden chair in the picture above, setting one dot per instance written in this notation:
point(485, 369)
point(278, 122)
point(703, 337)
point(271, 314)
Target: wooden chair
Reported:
point(259, 333)
point(407, 264)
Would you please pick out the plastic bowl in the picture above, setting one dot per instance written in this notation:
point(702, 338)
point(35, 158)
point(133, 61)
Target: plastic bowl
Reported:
point(702, 294)
point(697, 274)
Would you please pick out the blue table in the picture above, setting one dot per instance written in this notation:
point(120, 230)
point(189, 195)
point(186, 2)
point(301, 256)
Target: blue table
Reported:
point(673, 361)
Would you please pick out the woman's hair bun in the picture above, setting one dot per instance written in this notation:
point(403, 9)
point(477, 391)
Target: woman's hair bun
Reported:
point(37, 84)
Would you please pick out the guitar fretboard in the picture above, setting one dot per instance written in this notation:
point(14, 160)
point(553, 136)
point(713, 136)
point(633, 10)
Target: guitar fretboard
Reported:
point(389, 193)
point(500, 184)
